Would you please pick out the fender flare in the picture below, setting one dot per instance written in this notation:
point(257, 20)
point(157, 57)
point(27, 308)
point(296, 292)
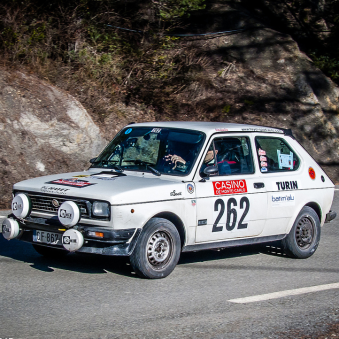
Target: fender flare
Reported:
point(177, 222)
point(314, 205)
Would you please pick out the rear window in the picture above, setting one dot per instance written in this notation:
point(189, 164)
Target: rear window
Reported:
point(275, 155)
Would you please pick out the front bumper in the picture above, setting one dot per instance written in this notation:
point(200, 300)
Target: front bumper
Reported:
point(113, 243)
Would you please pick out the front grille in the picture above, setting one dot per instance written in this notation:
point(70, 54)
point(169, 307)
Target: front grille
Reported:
point(42, 203)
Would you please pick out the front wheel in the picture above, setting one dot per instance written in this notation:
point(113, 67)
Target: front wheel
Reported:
point(158, 249)
point(304, 237)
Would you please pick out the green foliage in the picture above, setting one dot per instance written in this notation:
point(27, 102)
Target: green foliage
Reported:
point(75, 45)
point(329, 65)
point(174, 9)
point(226, 109)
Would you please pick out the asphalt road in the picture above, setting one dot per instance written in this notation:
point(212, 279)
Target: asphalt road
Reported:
point(84, 296)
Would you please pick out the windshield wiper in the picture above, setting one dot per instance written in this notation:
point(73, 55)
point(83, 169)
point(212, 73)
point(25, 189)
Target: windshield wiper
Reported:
point(106, 162)
point(117, 167)
point(147, 164)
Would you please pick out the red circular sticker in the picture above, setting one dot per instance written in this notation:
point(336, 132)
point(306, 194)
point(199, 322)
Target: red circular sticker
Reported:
point(311, 173)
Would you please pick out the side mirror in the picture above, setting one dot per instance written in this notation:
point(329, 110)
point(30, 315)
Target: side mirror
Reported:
point(92, 161)
point(211, 170)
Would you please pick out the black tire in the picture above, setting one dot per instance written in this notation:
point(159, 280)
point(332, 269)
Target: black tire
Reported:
point(157, 251)
point(49, 252)
point(304, 237)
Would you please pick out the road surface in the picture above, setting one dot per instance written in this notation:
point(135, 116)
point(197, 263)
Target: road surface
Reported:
point(248, 292)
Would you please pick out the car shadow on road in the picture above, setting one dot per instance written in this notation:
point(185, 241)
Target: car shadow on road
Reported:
point(273, 249)
point(95, 264)
point(210, 255)
point(77, 262)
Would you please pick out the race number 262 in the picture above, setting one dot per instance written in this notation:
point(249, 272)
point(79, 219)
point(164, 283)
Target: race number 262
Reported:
point(231, 214)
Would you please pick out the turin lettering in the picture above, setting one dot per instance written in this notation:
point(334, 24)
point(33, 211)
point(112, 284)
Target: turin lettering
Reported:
point(287, 185)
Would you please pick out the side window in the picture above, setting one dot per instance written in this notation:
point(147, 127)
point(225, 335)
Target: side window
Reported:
point(231, 155)
point(275, 155)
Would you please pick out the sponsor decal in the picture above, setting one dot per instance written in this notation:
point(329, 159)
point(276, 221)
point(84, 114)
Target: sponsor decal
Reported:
point(156, 130)
point(54, 190)
point(16, 206)
point(73, 182)
point(271, 130)
point(81, 176)
point(263, 169)
point(202, 222)
point(190, 188)
point(66, 239)
point(263, 164)
point(261, 152)
point(64, 214)
point(287, 185)
point(194, 202)
point(262, 158)
point(229, 187)
point(221, 129)
point(311, 173)
point(174, 193)
point(128, 131)
point(280, 199)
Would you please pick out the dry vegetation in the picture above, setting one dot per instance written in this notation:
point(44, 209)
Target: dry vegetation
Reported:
point(73, 45)
point(76, 45)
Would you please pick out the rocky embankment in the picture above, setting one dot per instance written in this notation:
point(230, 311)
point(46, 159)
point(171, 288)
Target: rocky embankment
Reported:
point(43, 130)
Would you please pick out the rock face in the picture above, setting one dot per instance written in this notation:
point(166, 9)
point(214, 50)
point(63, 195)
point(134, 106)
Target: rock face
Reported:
point(260, 76)
point(278, 85)
point(42, 131)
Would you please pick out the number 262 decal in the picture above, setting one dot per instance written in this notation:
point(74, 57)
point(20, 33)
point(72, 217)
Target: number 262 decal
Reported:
point(231, 214)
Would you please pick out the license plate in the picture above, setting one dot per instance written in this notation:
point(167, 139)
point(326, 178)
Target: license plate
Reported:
point(47, 237)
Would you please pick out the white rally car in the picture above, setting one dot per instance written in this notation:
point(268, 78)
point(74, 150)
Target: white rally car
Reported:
point(159, 189)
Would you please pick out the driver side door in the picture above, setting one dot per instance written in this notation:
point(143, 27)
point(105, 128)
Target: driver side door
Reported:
point(231, 203)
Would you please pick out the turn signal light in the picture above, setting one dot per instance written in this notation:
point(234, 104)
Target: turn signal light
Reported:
point(96, 234)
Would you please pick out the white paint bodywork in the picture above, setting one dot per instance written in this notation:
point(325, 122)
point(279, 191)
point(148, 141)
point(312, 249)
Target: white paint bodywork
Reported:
point(149, 195)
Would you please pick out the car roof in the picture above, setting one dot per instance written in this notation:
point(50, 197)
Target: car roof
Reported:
point(213, 127)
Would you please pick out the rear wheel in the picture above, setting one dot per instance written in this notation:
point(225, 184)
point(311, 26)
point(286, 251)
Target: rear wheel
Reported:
point(304, 237)
point(49, 252)
point(157, 251)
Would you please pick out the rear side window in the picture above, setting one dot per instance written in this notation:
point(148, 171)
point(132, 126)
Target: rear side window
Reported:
point(275, 155)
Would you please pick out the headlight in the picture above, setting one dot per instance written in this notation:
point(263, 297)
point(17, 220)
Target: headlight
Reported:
point(100, 209)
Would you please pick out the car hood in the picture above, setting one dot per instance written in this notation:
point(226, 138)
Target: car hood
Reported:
point(109, 186)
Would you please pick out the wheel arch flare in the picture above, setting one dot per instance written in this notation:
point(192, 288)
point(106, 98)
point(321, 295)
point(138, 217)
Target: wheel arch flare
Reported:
point(312, 204)
point(178, 223)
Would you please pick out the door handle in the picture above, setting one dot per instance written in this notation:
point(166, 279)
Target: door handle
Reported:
point(259, 185)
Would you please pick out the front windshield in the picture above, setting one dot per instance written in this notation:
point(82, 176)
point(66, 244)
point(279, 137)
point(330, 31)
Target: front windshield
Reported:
point(158, 150)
